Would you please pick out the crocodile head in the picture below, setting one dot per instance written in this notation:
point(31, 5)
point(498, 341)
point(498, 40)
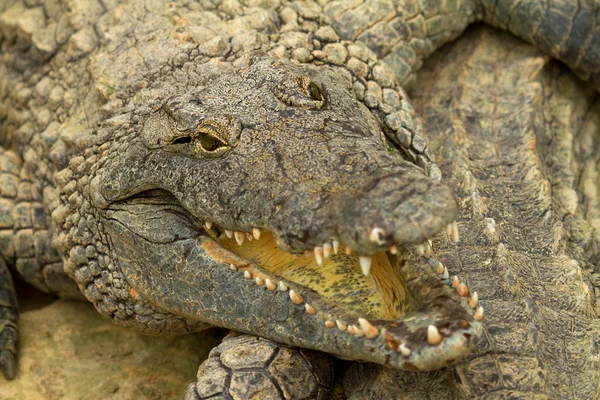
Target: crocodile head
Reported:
point(231, 203)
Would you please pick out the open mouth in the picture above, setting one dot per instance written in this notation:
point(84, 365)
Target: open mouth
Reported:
point(390, 312)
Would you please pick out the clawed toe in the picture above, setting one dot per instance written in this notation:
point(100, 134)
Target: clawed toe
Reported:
point(8, 363)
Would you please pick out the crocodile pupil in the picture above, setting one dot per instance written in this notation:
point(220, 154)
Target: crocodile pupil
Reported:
point(315, 93)
point(209, 143)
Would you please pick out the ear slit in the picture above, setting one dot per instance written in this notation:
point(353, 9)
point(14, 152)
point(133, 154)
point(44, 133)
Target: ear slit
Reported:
point(182, 140)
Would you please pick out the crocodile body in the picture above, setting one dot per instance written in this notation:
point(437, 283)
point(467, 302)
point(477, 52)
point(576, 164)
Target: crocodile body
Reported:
point(106, 107)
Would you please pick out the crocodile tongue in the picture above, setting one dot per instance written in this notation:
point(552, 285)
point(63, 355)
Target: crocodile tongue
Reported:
point(381, 294)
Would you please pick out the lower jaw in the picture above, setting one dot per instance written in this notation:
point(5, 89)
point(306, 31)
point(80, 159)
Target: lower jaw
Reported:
point(430, 330)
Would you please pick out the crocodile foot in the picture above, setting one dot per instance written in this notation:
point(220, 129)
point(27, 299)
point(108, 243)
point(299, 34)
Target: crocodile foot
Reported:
point(245, 366)
point(8, 323)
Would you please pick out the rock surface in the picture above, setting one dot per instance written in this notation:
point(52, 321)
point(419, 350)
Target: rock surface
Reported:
point(68, 351)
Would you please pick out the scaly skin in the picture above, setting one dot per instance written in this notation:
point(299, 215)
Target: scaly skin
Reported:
point(529, 243)
point(118, 138)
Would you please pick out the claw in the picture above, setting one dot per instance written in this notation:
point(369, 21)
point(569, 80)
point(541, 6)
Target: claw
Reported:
point(8, 363)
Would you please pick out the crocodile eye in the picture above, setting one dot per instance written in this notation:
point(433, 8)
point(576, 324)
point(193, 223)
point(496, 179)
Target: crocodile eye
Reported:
point(209, 143)
point(315, 92)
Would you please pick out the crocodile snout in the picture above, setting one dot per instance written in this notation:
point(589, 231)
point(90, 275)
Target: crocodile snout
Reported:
point(402, 207)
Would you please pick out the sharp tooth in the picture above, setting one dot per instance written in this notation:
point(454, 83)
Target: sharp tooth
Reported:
point(341, 326)
point(239, 237)
point(309, 309)
point(440, 268)
point(433, 335)
point(232, 267)
point(295, 297)
point(370, 331)
point(474, 300)
point(463, 290)
point(377, 235)
point(249, 236)
point(329, 324)
point(421, 249)
point(326, 250)
point(283, 287)
point(256, 233)
point(351, 329)
point(404, 350)
point(247, 274)
point(270, 284)
point(365, 264)
point(259, 281)
point(452, 231)
point(394, 250)
point(336, 246)
point(208, 224)
point(478, 314)
point(228, 233)
point(428, 249)
point(358, 331)
point(455, 282)
point(319, 255)
point(445, 275)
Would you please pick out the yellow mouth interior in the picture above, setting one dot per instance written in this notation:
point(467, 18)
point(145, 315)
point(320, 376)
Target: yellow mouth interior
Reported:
point(380, 295)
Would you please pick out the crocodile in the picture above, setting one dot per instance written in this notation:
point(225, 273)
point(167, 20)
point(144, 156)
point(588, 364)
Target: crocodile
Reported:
point(281, 125)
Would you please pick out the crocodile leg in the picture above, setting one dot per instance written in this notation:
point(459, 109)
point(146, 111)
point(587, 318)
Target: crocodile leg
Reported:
point(245, 366)
point(8, 323)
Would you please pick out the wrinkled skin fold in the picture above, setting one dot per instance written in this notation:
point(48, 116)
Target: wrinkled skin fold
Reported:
point(140, 136)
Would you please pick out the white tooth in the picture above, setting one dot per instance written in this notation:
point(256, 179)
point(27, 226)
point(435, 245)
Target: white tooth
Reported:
point(478, 314)
point(232, 267)
point(208, 224)
point(239, 237)
point(445, 275)
point(440, 268)
point(421, 249)
point(455, 282)
point(228, 233)
point(256, 233)
point(336, 246)
point(282, 286)
point(319, 255)
point(428, 249)
point(394, 250)
point(404, 350)
point(452, 231)
point(454, 234)
point(433, 335)
point(247, 274)
point(270, 284)
point(370, 331)
point(365, 264)
point(249, 236)
point(474, 300)
point(326, 250)
point(377, 235)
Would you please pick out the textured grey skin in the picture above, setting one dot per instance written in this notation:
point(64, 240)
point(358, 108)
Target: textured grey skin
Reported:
point(244, 366)
point(518, 137)
point(125, 63)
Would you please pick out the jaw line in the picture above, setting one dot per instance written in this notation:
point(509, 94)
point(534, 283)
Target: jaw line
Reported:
point(198, 279)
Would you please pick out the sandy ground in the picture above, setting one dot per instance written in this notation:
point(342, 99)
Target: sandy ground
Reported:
point(68, 351)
